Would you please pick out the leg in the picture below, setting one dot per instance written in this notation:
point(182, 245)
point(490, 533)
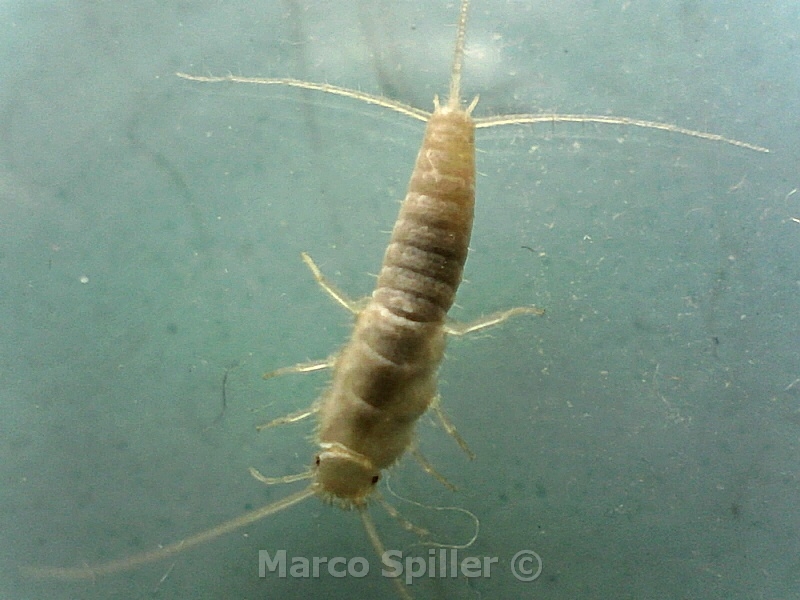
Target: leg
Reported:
point(395, 514)
point(314, 365)
point(450, 429)
point(428, 468)
point(354, 306)
point(306, 367)
point(290, 418)
point(380, 550)
point(456, 328)
point(392, 511)
point(285, 479)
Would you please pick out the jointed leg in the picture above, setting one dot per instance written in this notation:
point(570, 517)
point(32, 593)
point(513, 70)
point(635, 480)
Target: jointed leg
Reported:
point(314, 365)
point(393, 511)
point(290, 418)
point(428, 468)
point(448, 426)
point(354, 306)
point(456, 328)
point(395, 514)
point(285, 479)
point(306, 367)
point(377, 544)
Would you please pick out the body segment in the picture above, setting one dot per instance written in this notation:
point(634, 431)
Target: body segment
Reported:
point(384, 379)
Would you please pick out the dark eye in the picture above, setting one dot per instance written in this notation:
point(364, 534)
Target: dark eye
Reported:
point(316, 460)
point(375, 479)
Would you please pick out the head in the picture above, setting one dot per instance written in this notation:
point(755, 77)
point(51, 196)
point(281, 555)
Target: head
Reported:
point(343, 475)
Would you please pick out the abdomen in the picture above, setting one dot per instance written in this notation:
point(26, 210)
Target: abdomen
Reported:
point(385, 377)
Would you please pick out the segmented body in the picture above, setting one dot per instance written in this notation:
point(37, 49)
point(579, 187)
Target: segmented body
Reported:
point(385, 377)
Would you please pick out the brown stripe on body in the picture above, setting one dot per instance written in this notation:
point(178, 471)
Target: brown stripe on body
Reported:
point(385, 378)
point(428, 248)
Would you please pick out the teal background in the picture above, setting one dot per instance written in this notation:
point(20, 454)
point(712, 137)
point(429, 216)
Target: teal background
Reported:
point(642, 436)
